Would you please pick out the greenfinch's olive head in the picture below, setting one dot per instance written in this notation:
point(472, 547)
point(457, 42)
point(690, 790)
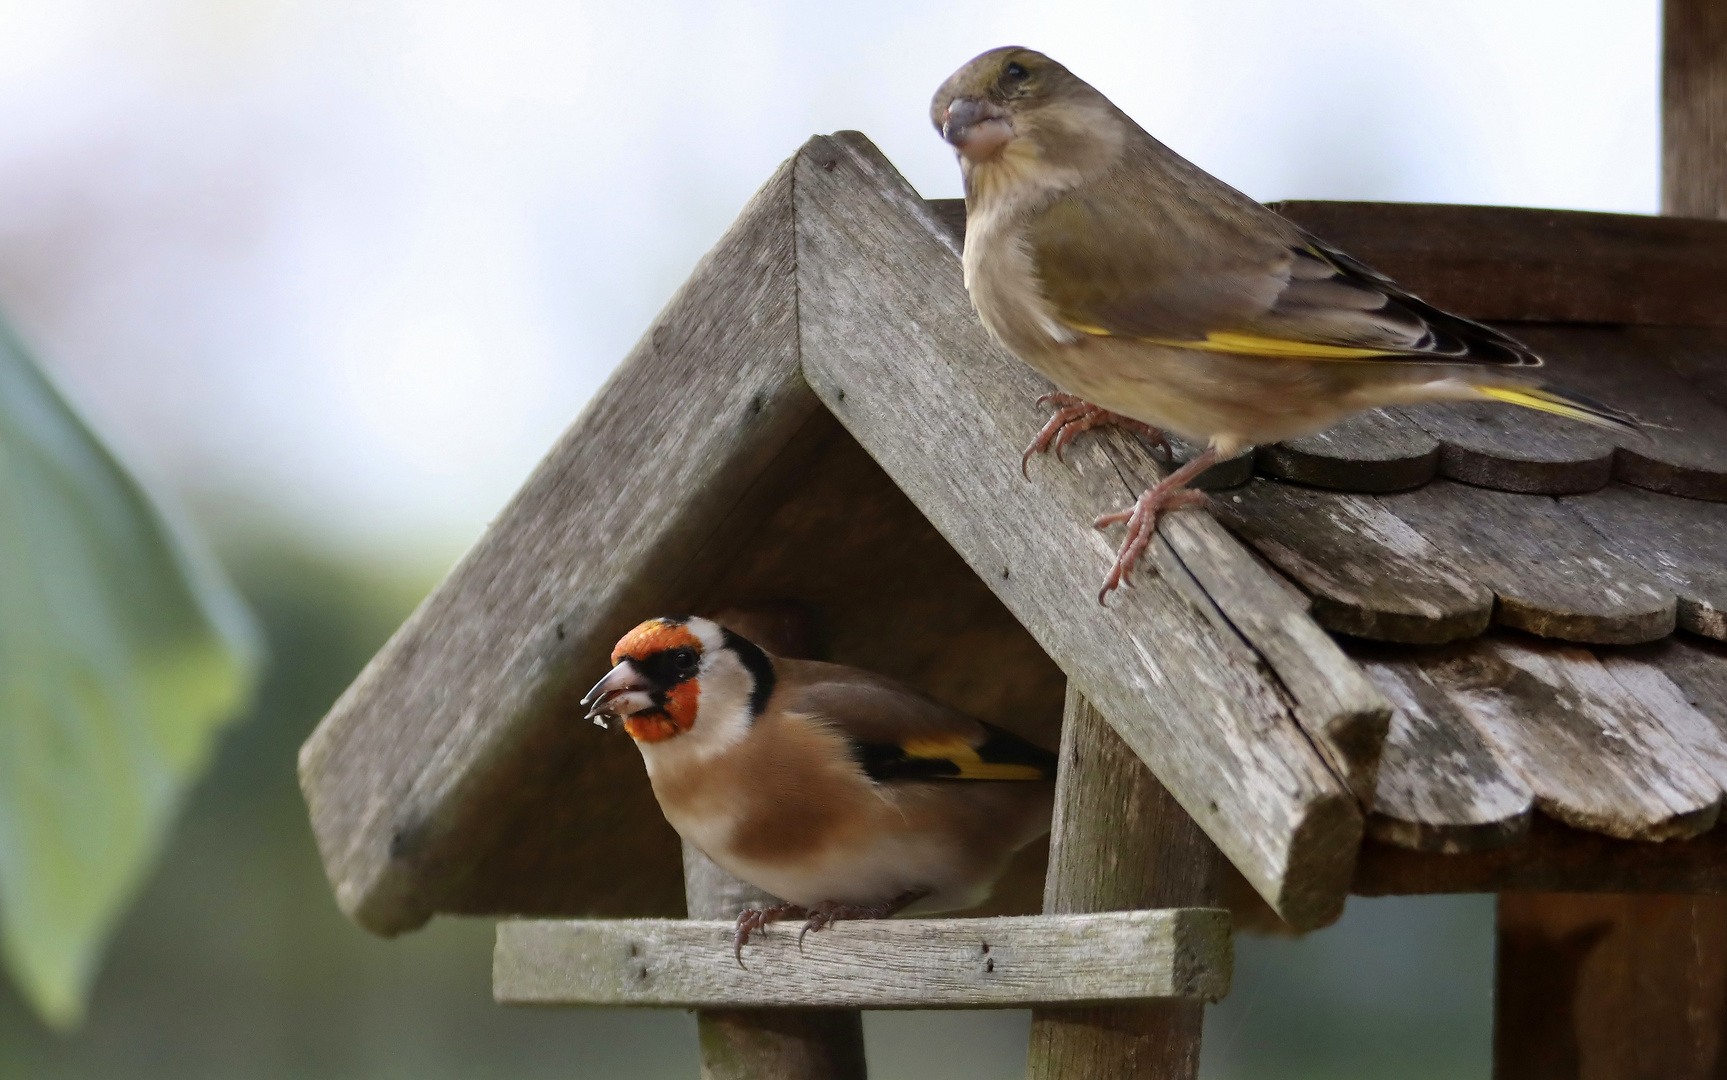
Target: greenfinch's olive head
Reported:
point(1011, 94)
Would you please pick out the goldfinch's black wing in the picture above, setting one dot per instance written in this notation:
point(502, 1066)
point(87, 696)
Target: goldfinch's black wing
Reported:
point(897, 734)
point(1214, 271)
point(998, 755)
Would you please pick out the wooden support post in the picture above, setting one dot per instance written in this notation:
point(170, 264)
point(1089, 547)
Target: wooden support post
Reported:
point(765, 1044)
point(1119, 842)
point(1694, 109)
point(1609, 986)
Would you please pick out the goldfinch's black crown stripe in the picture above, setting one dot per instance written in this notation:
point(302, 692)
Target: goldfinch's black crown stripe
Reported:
point(761, 669)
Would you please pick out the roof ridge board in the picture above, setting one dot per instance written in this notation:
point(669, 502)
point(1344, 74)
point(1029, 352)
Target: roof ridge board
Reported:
point(391, 772)
point(1505, 263)
point(888, 334)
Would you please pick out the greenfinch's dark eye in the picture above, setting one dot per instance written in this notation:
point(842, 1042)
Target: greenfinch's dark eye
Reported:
point(1014, 72)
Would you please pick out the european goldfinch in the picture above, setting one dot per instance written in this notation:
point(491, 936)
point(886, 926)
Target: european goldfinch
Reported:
point(844, 793)
point(1148, 290)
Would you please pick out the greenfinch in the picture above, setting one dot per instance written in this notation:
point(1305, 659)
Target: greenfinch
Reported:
point(1149, 291)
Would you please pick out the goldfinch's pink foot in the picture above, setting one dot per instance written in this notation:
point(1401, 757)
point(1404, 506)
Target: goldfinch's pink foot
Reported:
point(1075, 416)
point(827, 913)
point(752, 919)
point(1170, 493)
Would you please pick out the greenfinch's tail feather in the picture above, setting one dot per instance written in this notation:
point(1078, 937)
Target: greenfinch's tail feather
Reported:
point(1551, 399)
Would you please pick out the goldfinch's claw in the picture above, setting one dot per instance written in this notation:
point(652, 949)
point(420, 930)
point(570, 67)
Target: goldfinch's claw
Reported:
point(827, 913)
point(752, 919)
point(1075, 416)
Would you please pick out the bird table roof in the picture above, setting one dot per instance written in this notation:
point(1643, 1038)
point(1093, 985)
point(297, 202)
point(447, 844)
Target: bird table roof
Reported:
point(818, 416)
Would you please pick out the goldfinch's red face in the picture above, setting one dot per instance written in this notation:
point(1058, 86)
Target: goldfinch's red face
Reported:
point(654, 683)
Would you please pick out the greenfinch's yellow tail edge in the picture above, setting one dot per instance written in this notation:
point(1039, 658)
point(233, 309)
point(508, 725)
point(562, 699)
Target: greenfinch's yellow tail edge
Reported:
point(1552, 399)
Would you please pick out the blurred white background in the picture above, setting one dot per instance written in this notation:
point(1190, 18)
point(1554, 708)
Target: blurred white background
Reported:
point(350, 267)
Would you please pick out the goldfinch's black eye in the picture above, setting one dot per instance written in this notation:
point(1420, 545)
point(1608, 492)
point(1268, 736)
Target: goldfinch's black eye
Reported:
point(685, 662)
point(1014, 72)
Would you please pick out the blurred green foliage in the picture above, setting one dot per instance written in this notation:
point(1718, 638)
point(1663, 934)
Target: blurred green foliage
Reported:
point(122, 652)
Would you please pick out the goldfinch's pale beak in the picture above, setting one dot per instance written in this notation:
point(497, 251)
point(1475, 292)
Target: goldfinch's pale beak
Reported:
point(623, 692)
point(976, 128)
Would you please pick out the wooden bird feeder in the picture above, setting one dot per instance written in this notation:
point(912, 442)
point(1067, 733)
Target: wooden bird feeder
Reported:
point(1438, 649)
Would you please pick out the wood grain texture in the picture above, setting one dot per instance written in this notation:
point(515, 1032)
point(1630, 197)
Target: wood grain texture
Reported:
point(1118, 842)
point(1545, 565)
point(1698, 668)
point(1610, 986)
point(451, 733)
point(1681, 541)
point(1694, 110)
point(1378, 450)
point(745, 1044)
point(1004, 962)
point(1683, 449)
point(1691, 725)
point(1442, 787)
point(1554, 858)
point(1596, 757)
point(1367, 572)
point(1334, 703)
point(892, 347)
point(1528, 265)
point(1509, 448)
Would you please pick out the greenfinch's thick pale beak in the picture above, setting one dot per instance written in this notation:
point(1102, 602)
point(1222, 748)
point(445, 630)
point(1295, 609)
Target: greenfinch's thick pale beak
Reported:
point(976, 128)
point(623, 692)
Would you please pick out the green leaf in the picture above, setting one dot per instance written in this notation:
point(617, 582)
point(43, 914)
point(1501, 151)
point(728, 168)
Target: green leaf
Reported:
point(122, 653)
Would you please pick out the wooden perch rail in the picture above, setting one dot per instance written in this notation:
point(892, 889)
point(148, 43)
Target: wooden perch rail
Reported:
point(1008, 962)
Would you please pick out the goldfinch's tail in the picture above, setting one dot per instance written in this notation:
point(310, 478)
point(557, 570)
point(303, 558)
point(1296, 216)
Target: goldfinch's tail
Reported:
point(1551, 399)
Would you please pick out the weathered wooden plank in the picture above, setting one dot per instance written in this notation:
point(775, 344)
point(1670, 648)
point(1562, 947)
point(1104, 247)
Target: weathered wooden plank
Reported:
point(1555, 858)
point(1517, 264)
point(1005, 962)
point(1334, 703)
point(448, 735)
point(1509, 448)
point(1610, 986)
point(1698, 732)
point(1378, 450)
point(892, 347)
point(1595, 756)
point(1547, 567)
point(1442, 787)
point(1694, 110)
point(1683, 449)
point(1681, 541)
point(1698, 668)
point(1369, 574)
point(1118, 842)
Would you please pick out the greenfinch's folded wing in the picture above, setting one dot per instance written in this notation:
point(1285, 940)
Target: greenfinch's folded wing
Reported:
point(1239, 280)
